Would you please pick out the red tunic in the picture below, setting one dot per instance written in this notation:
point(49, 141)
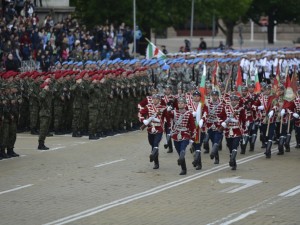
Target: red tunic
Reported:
point(214, 114)
point(158, 111)
point(235, 128)
point(183, 126)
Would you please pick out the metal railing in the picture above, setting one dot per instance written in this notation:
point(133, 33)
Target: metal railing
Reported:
point(29, 65)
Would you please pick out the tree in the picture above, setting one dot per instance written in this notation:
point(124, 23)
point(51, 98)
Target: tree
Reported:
point(229, 11)
point(278, 11)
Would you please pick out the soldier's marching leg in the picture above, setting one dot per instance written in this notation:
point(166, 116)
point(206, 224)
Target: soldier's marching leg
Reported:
point(297, 136)
point(220, 144)
point(154, 154)
point(280, 145)
point(170, 145)
point(206, 143)
point(12, 139)
point(197, 160)
point(183, 168)
point(214, 150)
point(181, 158)
point(268, 149)
point(232, 162)
point(244, 142)
point(288, 138)
point(156, 162)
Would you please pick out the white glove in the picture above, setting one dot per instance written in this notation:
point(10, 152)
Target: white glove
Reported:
point(191, 141)
point(169, 108)
point(271, 113)
point(233, 120)
point(224, 124)
point(247, 123)
point(201, 123)
point(296, 115)
point(282, 112)
point(156, 120)
point(194, 114)
point(261, 107)
point(147, 121)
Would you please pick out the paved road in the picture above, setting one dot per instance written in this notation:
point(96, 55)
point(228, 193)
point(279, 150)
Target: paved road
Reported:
point(110, 181)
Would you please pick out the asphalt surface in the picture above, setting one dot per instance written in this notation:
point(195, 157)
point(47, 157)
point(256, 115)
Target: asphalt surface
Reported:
point(111, 181)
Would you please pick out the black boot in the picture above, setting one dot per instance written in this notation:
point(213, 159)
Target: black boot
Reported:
point(156, 163)
point(153, 154)
point(217, 160)
point(170, 145)
point(287, 143)
point(206, 144)
point(280, 145)
point(220, 144)
point(3, 153)
point(268, 149)
point(42, 146)
point(196, 158)
point(197, 161)
point(232, 161)
point(252, 142)
point(297, 136)
point(263, 140)
point(11, 153)
point(93, 137)
point(183, 168)
point(181, 158)
point(214, 151)
point(244, 143)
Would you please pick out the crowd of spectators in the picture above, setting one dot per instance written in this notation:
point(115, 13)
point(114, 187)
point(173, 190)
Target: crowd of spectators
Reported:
point(25, 36)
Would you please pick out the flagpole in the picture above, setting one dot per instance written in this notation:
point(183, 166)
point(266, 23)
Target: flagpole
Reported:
point(134, 28)
point(192, 23)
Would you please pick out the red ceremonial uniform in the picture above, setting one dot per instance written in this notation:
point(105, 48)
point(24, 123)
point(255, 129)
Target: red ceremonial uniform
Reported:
point(214, 114)
point(158, 111)
point(183, 127)
point(236, 125)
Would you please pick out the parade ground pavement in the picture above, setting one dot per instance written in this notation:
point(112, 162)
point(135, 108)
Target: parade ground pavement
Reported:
point(110, 181)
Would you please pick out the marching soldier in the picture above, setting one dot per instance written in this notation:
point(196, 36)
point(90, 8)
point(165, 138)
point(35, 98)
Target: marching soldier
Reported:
point(267, 104)
point(169, 99)
point(153, 116)
point(183, 129)
point(197, 108)
point(235, 127)
point(213, 117)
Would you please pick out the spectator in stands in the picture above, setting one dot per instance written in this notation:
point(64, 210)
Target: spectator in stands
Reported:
point(11, 63)
point(202, 45)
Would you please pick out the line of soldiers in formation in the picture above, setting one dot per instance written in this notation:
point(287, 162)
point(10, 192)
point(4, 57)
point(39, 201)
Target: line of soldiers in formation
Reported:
point(236, 115)
point(100, 98)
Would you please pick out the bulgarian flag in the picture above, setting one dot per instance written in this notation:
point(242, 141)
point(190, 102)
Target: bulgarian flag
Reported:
point(239, 80)
point(202, 85)
point(257, 84)
point(277, 79)
point(153, 51)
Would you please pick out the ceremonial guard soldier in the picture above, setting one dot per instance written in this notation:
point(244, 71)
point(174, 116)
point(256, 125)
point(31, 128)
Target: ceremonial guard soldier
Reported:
point(197, 108)
point(213, 117)
point(246, 101)
point(169, 99)
point(183, 130)
point(296, 115)
point(235, 127)
point(153, 116)
point(268, 105)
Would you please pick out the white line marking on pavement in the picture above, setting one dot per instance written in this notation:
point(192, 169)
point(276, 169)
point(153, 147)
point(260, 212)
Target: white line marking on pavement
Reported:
point(247, 183)
point(242, 216)
point(158, 189)
point(107, 163)
point(291, 192)
point(261, 205)
point(15, 189)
